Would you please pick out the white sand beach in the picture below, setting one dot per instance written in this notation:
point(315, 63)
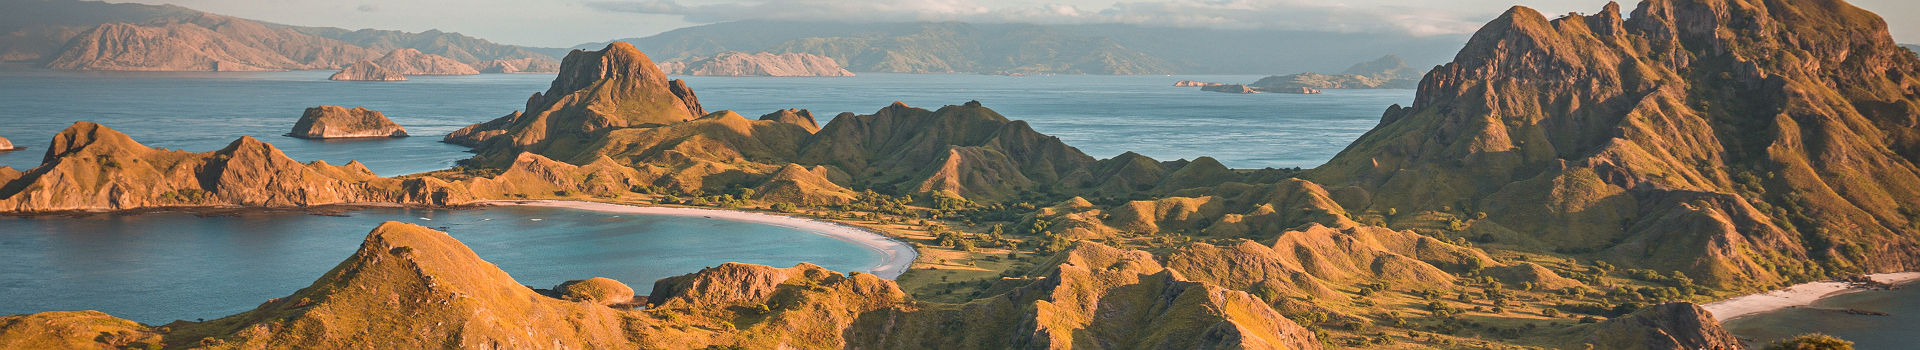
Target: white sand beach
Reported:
point(899, 255)
point(1795, 296)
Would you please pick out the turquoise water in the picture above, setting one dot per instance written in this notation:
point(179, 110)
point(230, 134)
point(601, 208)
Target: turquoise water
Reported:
point(156, 268)
point(1897, 330)
point(1102, 115)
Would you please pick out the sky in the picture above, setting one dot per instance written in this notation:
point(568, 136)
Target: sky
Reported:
point(564, 23)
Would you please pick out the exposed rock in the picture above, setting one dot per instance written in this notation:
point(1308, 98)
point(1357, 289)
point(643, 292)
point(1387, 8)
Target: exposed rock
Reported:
point(598, 290)
point(412, 62)
point(1191, 83)
point(738, 64)
point(596, 91)
point(1678, 325)
point(328, 122)
point(1744, 143)
point(6, 145)
point(520, 65)
point(1230, 88)
point(366, 71)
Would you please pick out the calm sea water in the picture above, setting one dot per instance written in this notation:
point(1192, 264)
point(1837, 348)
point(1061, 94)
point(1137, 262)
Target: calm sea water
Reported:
point(1898, 330)
point(156, 268)
point(1102, 115)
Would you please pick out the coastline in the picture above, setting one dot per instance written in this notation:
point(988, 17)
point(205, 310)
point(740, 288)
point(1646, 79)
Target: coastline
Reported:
point(899, 256)
point(1796, 296)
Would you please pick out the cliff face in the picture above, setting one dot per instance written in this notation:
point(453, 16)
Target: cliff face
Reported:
point(412, 62)
point(740, 64)
point(409, 286)
point(325, 122)
point(366, 71)
point(203, 42)
point(596, 91)
point(1744, 142)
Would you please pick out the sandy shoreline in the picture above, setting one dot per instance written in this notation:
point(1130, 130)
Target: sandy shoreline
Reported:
point(899, 255)
point(1795, 296)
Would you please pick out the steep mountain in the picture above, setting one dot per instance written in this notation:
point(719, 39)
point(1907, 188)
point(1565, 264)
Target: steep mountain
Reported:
point(737, 64)
point(409, 286)
point(596, 92)
point(1745, 143)
point(203, 42)
point(88, 35)
point(413, 62)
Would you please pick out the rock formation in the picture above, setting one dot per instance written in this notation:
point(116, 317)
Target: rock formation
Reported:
point(6, 145)
point(1744, 143)
point(366, 71)
point(412, 62)
point(328, 122)
point(1678, 325)
point(409, 286)
point(596, 91)
point(521, 65)
point(739, 64)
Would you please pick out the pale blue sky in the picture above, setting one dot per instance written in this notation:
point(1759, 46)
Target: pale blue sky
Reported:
point(560, 23)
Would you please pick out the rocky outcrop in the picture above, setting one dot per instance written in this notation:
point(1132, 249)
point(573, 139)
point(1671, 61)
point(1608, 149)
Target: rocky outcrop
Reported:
point(328, 122)
point(412, 62)
point(6, 145)
point(520, 65)
point(1678, 325)
point(1746, 144)
point(1230, 88)
point(596, 91)
point(366, 71)
point(1191, 83)
point(739, 64)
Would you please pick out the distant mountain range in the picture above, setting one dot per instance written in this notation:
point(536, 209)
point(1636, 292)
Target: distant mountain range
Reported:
point(1029, 48)
point(1911, 47)
point(89, 35)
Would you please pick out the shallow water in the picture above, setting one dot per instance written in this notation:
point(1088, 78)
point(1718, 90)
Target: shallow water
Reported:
point(1102, 115)
point(156, 268)
point(1897, 330)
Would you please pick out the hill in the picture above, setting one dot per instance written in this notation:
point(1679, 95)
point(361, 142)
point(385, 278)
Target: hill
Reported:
point(1742, 160)
point(88, 35)
point(739, 64)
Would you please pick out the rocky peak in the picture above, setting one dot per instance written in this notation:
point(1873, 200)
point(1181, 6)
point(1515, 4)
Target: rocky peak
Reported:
point(616, 87)
point(84, 135)
point(800, 117)
point(618, 61)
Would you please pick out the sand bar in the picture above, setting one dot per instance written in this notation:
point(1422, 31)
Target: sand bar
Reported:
point(899, 255)
point(1795, 296)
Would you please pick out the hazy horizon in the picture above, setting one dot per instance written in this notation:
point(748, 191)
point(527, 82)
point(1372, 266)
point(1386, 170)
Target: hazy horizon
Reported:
point(565, 23)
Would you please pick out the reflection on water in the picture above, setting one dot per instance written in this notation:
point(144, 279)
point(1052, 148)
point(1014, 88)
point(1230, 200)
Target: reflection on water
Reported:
point(156, 268)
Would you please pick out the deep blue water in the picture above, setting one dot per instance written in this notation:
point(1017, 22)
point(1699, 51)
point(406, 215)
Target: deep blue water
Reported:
point(1102, 115)
point(156, 268)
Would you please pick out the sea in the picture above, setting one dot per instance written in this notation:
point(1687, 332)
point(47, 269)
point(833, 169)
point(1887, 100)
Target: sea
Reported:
point(1898, 329)
point(159, 267)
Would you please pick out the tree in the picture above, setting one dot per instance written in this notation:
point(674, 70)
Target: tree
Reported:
point(1812, 341)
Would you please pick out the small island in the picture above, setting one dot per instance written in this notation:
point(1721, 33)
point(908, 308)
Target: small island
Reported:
point(366, 71)
point(7, 146)
point(331, 122)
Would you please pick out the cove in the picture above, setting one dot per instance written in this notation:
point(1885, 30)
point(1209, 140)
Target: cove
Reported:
point(158, 267)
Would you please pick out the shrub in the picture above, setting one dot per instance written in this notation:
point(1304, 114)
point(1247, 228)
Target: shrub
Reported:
point(1811, 341)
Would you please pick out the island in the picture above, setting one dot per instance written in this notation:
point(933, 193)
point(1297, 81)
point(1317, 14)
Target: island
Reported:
point(740, 64)
point(366, 71)
point(334, 122)
point(6, 146)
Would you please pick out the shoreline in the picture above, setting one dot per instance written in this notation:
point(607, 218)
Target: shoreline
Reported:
point(1798, 295)
point(898, 256)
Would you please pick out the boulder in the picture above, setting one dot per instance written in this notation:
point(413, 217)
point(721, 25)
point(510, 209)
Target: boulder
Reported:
point(327, 122)
point(366, 71)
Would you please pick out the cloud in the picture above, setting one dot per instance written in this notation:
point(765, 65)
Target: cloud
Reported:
point(1421, 18)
